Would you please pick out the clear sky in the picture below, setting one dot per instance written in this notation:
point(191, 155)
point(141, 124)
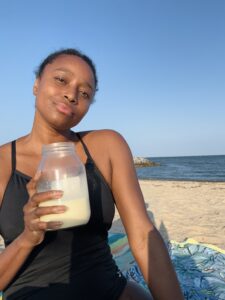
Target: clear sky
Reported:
point(160, 63)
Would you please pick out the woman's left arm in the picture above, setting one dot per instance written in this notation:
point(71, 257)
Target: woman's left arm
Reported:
point(145, 241)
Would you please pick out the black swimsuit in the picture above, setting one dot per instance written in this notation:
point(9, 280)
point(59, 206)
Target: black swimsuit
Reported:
point(74, 263)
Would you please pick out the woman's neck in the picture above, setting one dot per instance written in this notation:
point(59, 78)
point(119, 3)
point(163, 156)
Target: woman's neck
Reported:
point(43, 134)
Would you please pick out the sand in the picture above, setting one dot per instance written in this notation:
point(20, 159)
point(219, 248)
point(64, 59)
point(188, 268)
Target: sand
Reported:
point(185, 209)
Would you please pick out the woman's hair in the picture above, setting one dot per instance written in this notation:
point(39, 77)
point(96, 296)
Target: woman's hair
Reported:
point(70, 51)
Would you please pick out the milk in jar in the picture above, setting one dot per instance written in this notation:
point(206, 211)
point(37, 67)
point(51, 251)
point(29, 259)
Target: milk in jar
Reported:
point(61, 169)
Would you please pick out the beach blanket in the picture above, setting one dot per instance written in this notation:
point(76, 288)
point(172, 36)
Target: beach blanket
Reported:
point(200, 268)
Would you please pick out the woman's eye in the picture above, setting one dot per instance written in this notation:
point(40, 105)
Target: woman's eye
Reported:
point(84, 95)
point(60, 79)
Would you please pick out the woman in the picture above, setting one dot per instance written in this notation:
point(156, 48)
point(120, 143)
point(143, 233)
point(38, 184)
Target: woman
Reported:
point(75, 263)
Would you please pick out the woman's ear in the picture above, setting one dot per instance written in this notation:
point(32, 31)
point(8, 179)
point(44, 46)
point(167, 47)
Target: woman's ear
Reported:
point(35, 87)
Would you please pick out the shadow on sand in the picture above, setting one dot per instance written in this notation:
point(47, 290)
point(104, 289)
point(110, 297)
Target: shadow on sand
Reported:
point(193, 281)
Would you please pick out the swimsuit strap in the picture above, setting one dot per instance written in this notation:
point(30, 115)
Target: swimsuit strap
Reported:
point(85, 147)
point(13, 155)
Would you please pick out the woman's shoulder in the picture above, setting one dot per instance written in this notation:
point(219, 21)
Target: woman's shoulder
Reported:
point(5, 149)
point(6, 164)
point(106, 143)
point(103, 136)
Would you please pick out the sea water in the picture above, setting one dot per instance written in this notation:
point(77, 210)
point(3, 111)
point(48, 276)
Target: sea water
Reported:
point(199, 168)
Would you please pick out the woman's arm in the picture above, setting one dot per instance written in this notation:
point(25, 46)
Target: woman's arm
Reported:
point(145, 241)
point(11, 260)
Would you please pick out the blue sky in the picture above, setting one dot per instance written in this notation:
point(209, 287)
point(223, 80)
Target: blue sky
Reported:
point(160, 63)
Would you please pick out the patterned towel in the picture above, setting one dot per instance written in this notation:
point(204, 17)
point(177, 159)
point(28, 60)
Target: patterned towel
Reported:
point(200, 268)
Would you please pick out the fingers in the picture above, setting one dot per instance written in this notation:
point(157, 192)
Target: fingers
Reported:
point(36, 225)
point(34, 230)
point(33, 211)
point(33, 205)
point(48, 210)
point(38, 198)
point(32, 218)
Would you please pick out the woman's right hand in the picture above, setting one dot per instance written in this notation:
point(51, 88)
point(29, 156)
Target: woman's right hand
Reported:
point(34, 229)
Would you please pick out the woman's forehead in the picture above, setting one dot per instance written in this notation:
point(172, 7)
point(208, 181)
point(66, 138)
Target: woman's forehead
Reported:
point(71, 64)
point(66, 60)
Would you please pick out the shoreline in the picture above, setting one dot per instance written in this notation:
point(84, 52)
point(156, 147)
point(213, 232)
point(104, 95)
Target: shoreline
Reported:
point(184, 181)
point(179, 180)
point(183, 209)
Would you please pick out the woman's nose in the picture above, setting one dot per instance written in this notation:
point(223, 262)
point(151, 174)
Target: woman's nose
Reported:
point(72, 98)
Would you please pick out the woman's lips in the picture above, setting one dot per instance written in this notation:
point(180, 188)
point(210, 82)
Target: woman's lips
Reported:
point(64, 108)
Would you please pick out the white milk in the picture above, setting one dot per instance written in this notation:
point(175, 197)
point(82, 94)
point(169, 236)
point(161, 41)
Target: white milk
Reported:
point(78, 212)
point(75, 198)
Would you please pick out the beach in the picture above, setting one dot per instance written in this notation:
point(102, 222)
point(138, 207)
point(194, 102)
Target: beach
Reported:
point(185, 209)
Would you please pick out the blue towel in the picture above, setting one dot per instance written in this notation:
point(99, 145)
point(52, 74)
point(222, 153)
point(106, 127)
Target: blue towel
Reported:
point(200, 268)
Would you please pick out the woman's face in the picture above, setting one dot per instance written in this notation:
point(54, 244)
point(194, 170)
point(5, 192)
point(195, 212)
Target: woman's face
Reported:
point(64, 92)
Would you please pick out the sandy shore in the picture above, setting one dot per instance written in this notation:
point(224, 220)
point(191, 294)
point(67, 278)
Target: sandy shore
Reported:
point(183, 209)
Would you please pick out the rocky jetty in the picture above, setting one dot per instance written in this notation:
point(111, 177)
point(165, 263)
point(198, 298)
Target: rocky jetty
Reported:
point(141, 162)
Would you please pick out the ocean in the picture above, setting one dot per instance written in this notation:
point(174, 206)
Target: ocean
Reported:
point(197, 168)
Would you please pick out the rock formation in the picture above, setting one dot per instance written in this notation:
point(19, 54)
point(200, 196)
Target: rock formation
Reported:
point(144, 162)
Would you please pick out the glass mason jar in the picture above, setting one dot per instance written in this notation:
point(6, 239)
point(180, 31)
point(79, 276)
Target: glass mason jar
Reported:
point(62, 169)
